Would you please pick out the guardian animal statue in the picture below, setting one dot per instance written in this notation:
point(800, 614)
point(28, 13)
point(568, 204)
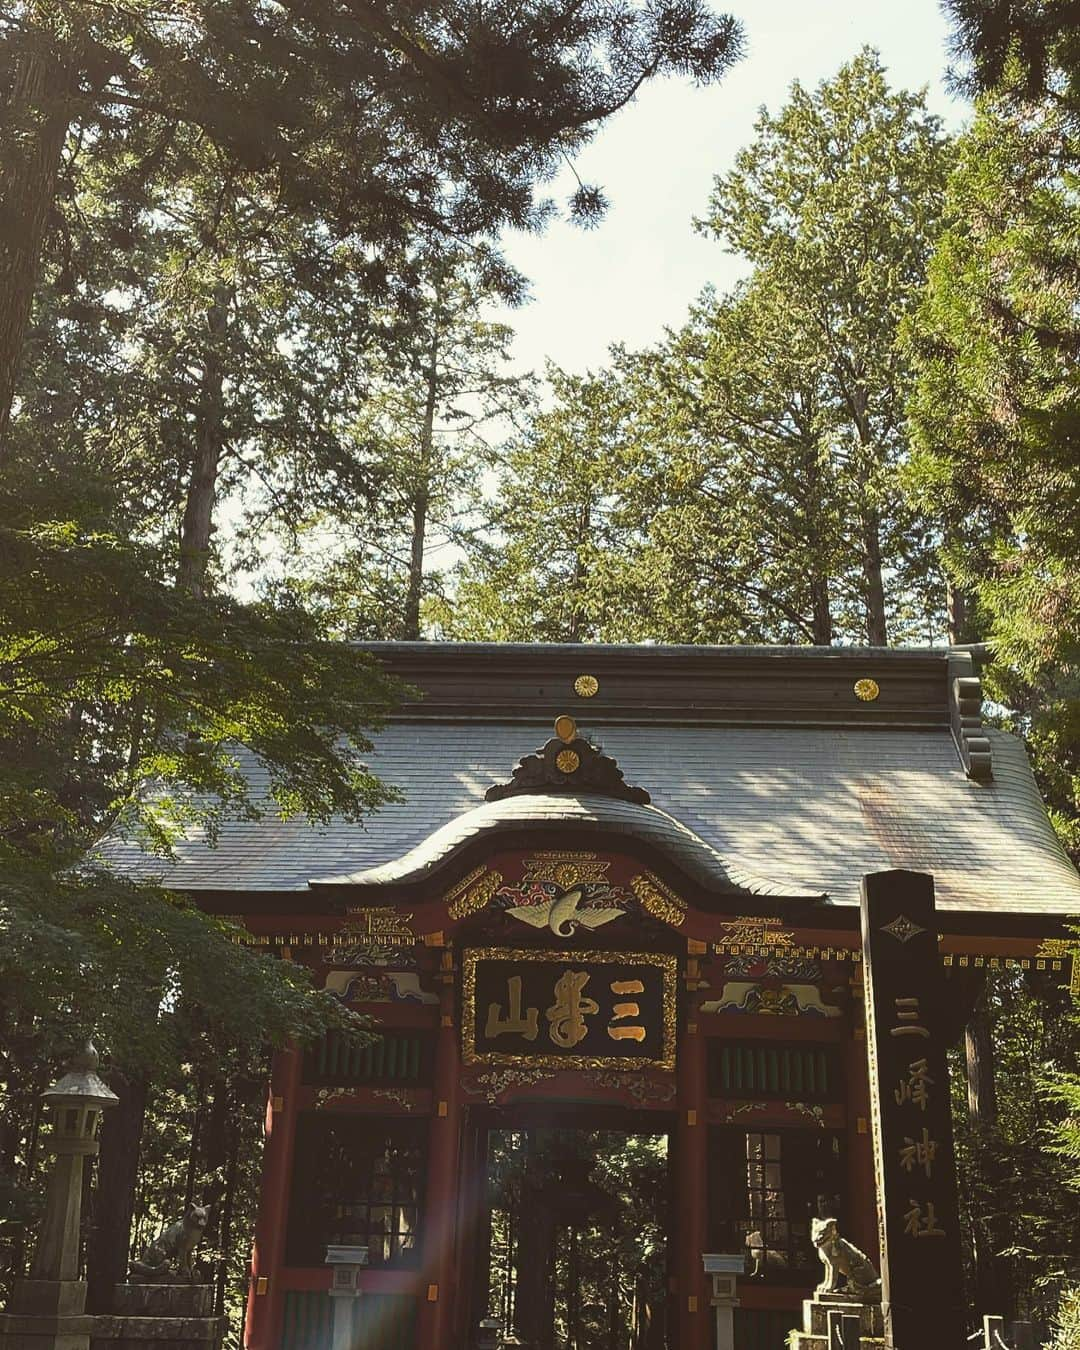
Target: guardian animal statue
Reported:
point(843, 1258)
point(170, 1257)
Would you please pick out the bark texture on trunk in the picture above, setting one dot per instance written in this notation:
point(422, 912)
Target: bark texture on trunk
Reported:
point(35, 118)
point(823, 627)
point(114, 1197)
point(422, 496)
point(873, 582)
point(198, 522)
point(991, 1230)
point(957, 613)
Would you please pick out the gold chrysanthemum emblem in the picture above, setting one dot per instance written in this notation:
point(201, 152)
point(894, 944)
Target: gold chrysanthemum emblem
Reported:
point(867, 690)
point(585, 686)
point(566, 761)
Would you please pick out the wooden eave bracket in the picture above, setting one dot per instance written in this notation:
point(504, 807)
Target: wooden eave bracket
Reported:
point(965, 718)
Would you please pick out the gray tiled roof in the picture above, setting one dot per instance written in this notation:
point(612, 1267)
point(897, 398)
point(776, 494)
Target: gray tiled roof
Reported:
point(786, 810)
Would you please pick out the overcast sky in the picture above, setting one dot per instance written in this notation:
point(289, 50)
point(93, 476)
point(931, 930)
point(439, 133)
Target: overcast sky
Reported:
point(655, 161)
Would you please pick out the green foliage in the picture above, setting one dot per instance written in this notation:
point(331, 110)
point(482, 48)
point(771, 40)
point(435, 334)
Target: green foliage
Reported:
point(1016, 1191)
point(374, 121)
point(836, 204)
point(1067, 1322)
point(995, 413)
point(88, 953)
point(1025, 47)
point(558, 565)
point(740, 482)
point(438, 388)
point(113, 679)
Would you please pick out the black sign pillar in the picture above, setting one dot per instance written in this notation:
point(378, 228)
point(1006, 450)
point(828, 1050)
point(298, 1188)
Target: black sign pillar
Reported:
point(915, 1162)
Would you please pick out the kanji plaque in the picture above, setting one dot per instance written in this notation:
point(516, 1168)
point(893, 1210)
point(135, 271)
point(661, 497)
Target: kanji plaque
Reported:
point(568, 1009)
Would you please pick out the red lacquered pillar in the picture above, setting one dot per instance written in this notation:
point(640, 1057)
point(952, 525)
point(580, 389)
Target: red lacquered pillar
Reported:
point(860, 1202)
point(444, 1169)
point(691, 1191)
point(262, 1327)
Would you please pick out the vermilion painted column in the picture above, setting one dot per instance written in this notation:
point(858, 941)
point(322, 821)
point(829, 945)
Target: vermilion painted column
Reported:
point(691, 1194)
point(860, 1185)
point(444, 1171)
point(262, 1328)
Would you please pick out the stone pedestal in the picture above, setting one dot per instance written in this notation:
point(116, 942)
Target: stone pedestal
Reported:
point(159, 1317)
point(46, 1315)
point(723, 1268)
point(817, 1312)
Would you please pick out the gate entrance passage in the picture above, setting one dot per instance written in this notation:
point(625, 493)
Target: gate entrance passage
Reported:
point(573, 1242)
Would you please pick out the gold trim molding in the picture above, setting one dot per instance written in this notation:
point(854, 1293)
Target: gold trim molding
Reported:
point(472, 893)
point(658, 900)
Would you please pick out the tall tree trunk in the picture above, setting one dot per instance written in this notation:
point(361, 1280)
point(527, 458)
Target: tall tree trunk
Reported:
point(979, 1056)
point(821, 612)
point(198, 522)
point(575, 628)
point(822, 617)
point(956, 613)
point(873, 582)
point(35, 118)
point(422, 495)
point(993, 1283)
point(114, 1201)
point(225, 1222)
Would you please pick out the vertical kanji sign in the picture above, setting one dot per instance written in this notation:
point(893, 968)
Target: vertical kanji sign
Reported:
point(915, 1161)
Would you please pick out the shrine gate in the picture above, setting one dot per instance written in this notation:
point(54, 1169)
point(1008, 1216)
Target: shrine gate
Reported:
point(616, 916)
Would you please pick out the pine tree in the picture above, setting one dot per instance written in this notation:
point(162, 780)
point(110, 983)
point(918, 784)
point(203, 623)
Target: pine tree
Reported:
point(375, 118)
point(836, 204)
point(438, 387)
point(996, 420)
point(554, 565)
point(741, 482)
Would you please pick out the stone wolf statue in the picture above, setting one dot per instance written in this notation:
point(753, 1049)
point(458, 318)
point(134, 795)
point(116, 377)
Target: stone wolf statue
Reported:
point(170, 1256)
point(843, 1258)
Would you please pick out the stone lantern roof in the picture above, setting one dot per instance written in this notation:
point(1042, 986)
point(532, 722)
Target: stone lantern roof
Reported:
point(80, 1085)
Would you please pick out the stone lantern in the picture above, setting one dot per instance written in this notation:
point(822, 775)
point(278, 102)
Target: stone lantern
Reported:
point(47, 1309)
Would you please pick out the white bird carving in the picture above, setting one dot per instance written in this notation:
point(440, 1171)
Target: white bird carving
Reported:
point(562, 915)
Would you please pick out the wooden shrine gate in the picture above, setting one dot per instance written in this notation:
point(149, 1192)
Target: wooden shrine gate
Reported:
point(575, 991)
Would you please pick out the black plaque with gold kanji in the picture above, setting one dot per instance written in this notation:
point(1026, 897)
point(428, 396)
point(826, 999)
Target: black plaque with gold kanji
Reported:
point(915, 1161)
point(568, 1009)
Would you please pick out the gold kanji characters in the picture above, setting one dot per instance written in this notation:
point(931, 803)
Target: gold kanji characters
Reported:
point(915, 1087)
point(624, 1010)
point(920, 1221)
point(918, 1153)
point(907, 1012)
point(527, 1025)
point(567, 1014)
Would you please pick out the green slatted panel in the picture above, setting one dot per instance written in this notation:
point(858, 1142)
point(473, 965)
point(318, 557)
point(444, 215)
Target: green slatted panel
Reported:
point(306, 1321)
point(763, 1069)
point(380, 1321)
point(395, 1056)
point(763, 1328)
point(387, 1322)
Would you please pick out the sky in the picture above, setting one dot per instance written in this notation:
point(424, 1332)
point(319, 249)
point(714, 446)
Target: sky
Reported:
point(642, 267)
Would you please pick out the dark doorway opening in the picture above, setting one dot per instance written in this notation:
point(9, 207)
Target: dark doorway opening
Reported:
point(573, 1252)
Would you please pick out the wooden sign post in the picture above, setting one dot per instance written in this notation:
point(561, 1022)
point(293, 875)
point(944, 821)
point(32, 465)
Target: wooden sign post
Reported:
point(915, 1161)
